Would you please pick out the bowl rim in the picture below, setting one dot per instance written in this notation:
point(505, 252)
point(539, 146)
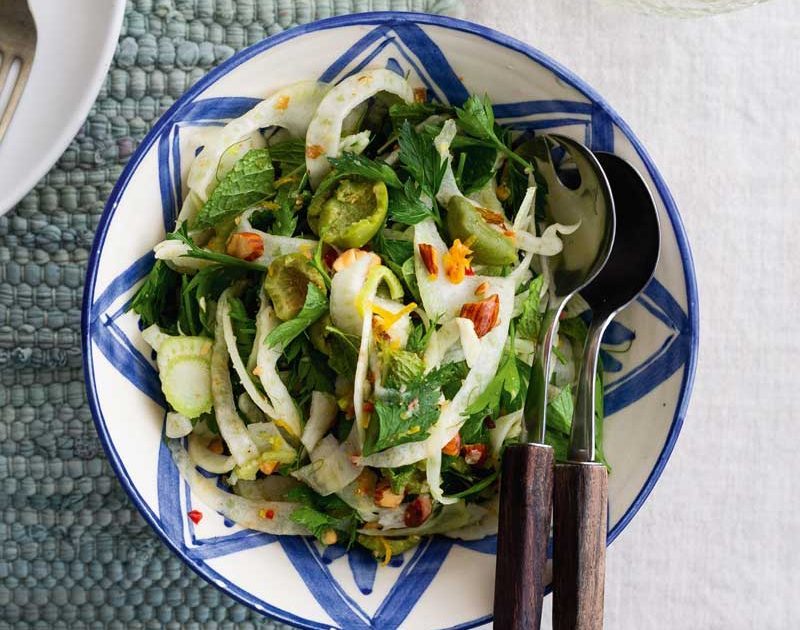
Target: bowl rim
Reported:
point(357, 19)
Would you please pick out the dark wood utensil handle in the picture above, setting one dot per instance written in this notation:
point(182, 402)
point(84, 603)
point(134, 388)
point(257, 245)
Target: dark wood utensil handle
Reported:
point(526, 502)
point(580, 513)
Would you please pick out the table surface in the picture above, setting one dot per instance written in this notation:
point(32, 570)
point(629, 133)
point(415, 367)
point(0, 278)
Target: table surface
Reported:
point(715, 102)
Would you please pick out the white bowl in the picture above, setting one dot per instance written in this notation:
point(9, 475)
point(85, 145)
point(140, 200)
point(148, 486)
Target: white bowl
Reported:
point(443, 583)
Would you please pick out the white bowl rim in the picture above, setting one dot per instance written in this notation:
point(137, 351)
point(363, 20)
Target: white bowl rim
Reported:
point(356, 19)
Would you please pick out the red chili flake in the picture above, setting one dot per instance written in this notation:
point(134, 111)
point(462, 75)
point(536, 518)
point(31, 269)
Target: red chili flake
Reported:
point(195, 516)
point(469, 271)
point(368, 407)
point(270, 514)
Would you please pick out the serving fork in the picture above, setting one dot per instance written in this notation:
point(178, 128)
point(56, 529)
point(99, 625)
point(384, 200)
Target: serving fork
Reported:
point(17, 43)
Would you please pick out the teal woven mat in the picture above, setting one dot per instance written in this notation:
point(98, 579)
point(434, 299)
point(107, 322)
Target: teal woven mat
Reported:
point(75, 552)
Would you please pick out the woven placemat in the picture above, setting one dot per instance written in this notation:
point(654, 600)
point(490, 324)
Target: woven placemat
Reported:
point(75, 552)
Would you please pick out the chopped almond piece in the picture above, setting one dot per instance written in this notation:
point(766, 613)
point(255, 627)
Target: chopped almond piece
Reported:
point(329, 537)
point(418, 511)
point(420, 95)
point(430, 258)
point(245, 245)
point(215, 446)
point(457, 261)
point(313, 151)
point(384, 497)
point(453, 447)
point(491, 217)
point(484, 314)
point(481, 288)
point(282, 103)
point(350, 256)
point(268, 467)
point(475, 454)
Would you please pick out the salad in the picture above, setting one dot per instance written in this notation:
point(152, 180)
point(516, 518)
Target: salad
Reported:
point(345, 314)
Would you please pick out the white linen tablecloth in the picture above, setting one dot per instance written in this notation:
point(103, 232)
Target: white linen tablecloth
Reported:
point(715, 101)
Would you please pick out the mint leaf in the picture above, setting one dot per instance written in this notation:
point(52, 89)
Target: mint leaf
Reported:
point(354, 164)
point(250, 181)
point(344, 351)
point(559, 411)
point(314, 307)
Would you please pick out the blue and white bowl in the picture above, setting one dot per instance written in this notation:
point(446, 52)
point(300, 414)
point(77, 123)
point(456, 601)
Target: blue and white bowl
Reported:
point(443, 583)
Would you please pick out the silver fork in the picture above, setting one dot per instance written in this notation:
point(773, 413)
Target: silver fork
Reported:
point(17, 41)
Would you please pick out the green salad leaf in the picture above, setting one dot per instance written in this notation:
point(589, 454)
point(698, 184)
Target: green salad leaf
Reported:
point(155, 300)
point(251, 180)
point(421, 159)
point(354, 164)
point(314, 307)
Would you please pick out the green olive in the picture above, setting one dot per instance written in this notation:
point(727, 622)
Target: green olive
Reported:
point(489, 246)
point(396, 545)
point(286, 283)
point(352, 214)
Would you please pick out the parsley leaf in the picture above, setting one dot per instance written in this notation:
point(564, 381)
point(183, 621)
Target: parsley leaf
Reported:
point(155, 300)
point(320, 514)
point(196, 296)
point(244, 327)
point(478, 168)
point(354, 164)
point(405, 205)
point(476, 119)
point(393, 250)
point(421, 160)
point(250, 181)
point(314, 307)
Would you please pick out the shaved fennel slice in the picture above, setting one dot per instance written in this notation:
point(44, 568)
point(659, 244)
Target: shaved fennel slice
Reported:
point(320, 418)
point(440, 297)
point(505, 427)
point(176, 254)
point(251, 412)
point(154, 336)
point(177, 425)
point(360, 382)
point(548, 244)
point(270, 443)
point(209, 461)
point(448, 188)
point(184, 367)
point(486, 197)
point(271, 488)
point(470, 342)
point(324, 133)
point(485, 522)
point(231, 426)
point(355, 143)
point(439, 343)
point(522, 220)
point(346, 294)
point(224, 312)
point(272, 517)
point(360, 501)
point(291, 107)
point(451, 418)
point(450, 517)
point(286, 414)
point(331, 467)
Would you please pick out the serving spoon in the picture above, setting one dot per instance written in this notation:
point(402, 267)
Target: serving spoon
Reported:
point(581, 484)
point(526, 488)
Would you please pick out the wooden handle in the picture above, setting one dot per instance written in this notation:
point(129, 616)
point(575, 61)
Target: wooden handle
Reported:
point(526, 501)
point(580, 513)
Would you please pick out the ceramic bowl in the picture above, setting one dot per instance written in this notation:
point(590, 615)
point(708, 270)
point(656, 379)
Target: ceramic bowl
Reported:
point(443, 583)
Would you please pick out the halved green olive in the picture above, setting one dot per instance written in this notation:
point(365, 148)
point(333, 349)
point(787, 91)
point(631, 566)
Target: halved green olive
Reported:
point(489, 246)
point(396, 546)
point(352, 214)
point(286, 283)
